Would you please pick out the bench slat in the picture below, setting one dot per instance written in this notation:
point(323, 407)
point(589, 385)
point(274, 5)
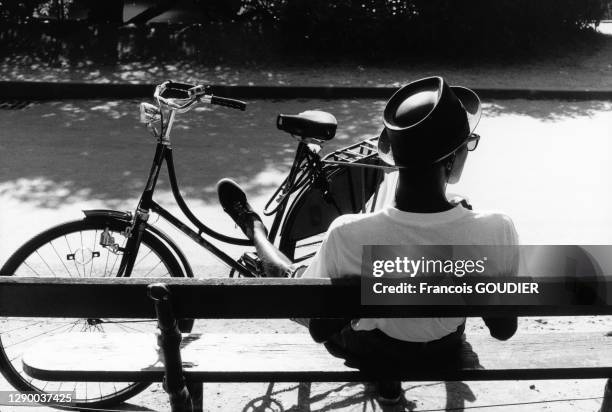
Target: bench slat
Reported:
point(262, 298)
point(295, 357)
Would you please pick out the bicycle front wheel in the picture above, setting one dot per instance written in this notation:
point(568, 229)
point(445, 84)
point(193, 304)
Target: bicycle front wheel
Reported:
point(73, 250)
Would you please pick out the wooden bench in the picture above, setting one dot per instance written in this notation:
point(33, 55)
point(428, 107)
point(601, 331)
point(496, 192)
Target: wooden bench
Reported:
point(268, 357)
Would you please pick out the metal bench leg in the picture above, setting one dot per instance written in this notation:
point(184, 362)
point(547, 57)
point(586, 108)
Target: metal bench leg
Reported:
point(606, 404)
point(196, 390)
point(169, 341)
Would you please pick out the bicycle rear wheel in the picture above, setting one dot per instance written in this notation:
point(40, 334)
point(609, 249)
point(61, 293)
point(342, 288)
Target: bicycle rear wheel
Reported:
point(73, 250)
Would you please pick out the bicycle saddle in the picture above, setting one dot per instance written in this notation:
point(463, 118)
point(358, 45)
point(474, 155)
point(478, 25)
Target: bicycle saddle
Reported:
point(311, 125)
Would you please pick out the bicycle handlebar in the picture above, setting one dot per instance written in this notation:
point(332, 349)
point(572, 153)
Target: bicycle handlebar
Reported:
point(181, 96)
point(224, 101)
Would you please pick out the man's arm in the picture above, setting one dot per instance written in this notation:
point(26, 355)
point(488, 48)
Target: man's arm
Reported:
point(503, 328)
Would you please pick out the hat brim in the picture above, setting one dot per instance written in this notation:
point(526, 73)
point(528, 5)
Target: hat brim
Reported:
point(471, 104)
point(473, 109)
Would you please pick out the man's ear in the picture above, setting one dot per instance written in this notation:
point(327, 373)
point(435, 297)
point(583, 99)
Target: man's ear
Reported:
point(448, 166)
point(455, 164)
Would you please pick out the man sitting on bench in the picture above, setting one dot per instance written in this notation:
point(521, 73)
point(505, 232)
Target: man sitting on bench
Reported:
point(428, 133)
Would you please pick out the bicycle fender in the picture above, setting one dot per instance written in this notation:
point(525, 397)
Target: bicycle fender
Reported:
point(168, 241)
point(127, 217)
point(115, 214)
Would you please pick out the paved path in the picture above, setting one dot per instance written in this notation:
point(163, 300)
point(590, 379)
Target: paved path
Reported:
point(546, 164)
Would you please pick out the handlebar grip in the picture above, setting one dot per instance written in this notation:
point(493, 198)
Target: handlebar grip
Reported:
point(224, 101)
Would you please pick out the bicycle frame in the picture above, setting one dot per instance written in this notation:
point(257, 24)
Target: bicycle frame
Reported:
point(306, 171)
point(146, 204)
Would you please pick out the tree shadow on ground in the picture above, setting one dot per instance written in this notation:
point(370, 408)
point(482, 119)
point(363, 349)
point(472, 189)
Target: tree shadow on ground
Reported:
point(61, 152)
point(64, 152)
point(545, 110)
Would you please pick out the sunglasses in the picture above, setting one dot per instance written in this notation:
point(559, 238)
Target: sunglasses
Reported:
point(472, 141)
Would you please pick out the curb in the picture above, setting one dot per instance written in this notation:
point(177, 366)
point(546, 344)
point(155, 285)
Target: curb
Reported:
point(60, 91)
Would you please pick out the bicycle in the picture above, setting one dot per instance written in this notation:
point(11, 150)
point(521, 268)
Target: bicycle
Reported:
point(114, 243)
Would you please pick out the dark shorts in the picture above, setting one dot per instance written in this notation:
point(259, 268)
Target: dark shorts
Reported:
point(374, 350)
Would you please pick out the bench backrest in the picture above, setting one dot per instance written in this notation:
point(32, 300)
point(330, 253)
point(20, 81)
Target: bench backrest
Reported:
point(231, 298)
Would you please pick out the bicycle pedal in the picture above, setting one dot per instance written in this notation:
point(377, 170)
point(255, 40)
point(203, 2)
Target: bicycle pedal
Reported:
point(252, 263)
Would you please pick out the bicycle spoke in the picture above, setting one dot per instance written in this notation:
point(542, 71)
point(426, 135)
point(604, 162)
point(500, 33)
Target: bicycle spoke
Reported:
point(130, 321)
point(20, 327)
point(60, 259)
point(46, 264)
point(153, 268)
point(114, 263)
point(128, 327)
point(93, 253)
point(70, 250)
point(84, 269)
point(141, 259)
point(106, 264)
point(116, 257)
point(72, 327)
point(29, 267)
point(35, 336)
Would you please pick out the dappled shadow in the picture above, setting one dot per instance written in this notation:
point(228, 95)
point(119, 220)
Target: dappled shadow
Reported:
point(546, 110)
point(62, 152)
point(59, 153)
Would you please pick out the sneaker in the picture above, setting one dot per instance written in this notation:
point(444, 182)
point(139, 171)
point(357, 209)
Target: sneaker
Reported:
point(235, 204)
point(389, 392)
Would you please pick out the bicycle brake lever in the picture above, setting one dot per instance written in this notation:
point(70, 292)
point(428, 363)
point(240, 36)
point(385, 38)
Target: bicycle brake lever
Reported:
point(149, 113)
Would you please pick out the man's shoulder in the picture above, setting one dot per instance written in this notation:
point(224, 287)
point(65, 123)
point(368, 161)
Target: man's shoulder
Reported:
point(360, 221)
point(489, 216)
point(493, 222)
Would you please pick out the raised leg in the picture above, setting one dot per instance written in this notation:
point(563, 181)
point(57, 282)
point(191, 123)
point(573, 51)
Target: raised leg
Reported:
point(235, 204)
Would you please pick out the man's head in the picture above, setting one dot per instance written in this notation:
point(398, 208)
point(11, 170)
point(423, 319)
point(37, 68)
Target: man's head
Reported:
point(428, 128)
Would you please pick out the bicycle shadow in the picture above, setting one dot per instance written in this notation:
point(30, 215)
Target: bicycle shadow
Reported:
point(127, 406)
point(457, 394)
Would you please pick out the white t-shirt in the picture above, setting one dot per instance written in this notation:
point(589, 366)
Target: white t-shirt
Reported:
point(341, 253)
